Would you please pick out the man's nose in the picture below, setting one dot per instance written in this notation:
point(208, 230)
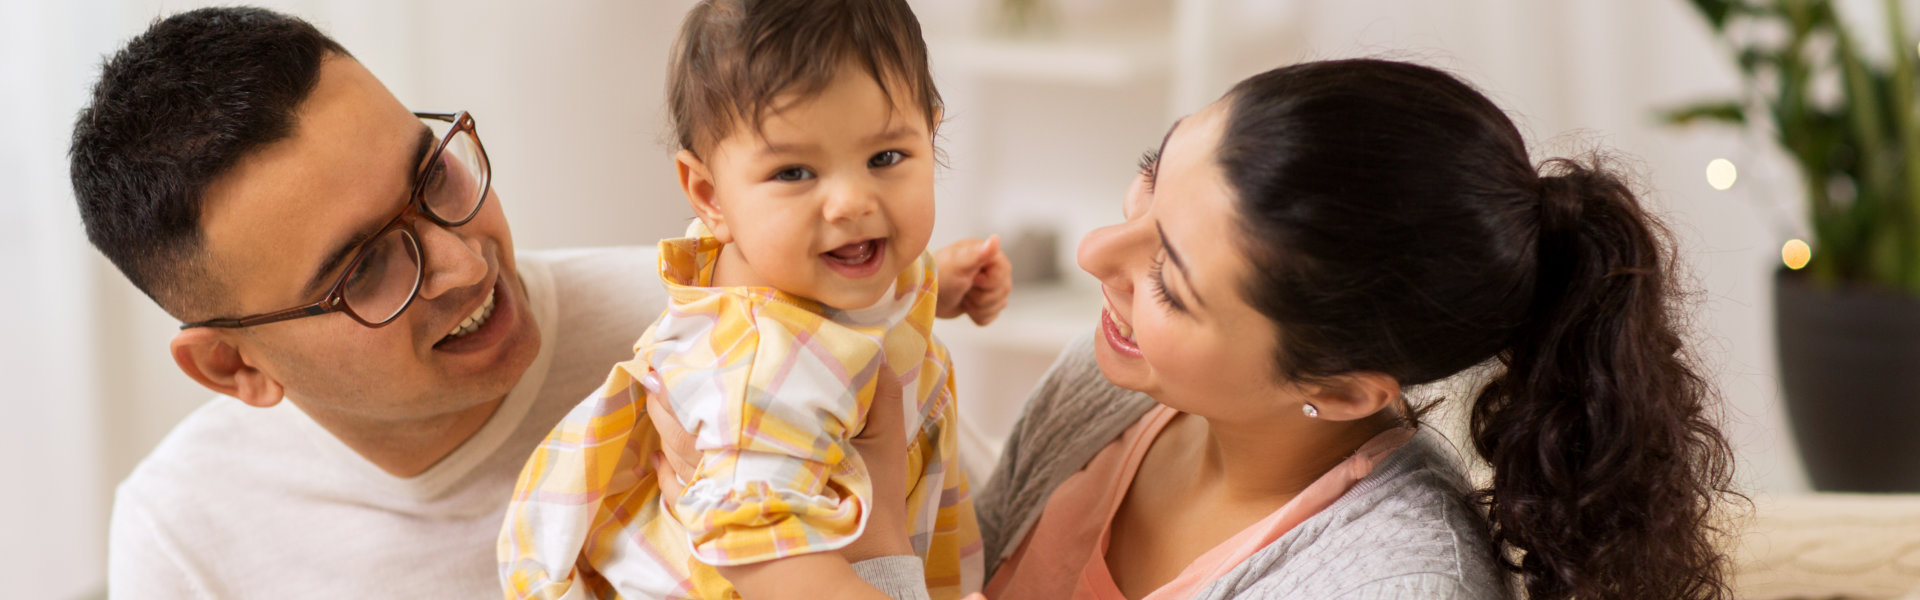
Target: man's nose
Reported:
point(452, 261)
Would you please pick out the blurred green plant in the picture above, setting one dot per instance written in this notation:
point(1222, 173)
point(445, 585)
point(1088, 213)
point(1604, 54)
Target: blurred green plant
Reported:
point(1859, 157)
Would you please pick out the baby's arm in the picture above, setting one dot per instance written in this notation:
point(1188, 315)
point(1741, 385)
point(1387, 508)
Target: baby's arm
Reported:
point(874, 558)
point(548, 521)
point(975, 279)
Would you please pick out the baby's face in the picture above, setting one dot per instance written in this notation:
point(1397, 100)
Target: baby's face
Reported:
point(835, 196)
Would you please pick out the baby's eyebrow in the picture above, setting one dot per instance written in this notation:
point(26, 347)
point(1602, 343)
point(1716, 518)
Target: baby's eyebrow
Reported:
point(770, 147)
point(898, 131)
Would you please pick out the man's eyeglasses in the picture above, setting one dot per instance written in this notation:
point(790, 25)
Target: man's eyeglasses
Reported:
point(384, 276)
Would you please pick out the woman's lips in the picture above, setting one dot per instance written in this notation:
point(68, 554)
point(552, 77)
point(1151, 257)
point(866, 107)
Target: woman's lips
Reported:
point(1125, 329)
point(1119, 333)
point(1121, 343)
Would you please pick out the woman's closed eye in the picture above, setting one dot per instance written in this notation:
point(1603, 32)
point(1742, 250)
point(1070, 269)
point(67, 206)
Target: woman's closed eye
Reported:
point(1160, 292)
point(886, 159)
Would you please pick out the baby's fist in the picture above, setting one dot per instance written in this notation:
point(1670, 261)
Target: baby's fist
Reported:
point(975, 279)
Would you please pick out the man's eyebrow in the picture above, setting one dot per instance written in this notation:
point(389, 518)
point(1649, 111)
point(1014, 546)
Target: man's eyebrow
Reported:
point(344, 250)
point(1181, 265)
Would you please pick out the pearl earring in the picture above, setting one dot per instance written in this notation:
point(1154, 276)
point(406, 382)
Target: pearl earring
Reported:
point(1312, 413)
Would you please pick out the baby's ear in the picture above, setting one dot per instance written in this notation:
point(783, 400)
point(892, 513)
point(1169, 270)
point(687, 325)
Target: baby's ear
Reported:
point(697, 181)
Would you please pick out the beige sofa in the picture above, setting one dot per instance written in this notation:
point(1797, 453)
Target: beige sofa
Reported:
point(1825, 546)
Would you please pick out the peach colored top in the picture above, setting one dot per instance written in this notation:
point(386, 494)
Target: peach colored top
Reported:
point(1064, 555)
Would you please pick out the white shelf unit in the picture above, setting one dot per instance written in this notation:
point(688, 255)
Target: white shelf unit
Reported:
point(1043, 132)
point(1134, 41)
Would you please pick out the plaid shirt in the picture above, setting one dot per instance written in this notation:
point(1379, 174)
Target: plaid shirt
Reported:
point(774, 387)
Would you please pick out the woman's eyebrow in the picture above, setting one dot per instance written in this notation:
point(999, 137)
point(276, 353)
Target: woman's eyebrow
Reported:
point(1179, 264)
point(1162, 151)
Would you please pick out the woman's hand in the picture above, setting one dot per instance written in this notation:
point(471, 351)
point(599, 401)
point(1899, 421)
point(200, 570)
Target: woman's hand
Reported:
point(882, 443)
point(975, 279)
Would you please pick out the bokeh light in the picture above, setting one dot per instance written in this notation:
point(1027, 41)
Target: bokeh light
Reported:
point(1721, 174)
point(1796, 254)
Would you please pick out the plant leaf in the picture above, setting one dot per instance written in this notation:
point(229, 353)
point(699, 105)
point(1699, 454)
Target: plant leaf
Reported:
point(1716, 12)
point(1722, 111)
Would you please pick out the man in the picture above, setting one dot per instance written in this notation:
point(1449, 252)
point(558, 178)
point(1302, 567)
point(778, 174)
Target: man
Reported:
point(327, 247)
point(235, 163)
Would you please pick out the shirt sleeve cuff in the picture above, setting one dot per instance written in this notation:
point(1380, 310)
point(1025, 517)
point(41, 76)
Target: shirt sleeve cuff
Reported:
point(899, 577)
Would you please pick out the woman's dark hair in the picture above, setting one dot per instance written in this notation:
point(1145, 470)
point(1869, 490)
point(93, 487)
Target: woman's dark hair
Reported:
point(1397, 225)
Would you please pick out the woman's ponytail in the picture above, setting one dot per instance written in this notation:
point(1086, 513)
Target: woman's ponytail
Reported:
point(1607, 465)
point(1395, 224)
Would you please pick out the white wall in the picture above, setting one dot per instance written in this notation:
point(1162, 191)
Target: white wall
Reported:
point(568, 99)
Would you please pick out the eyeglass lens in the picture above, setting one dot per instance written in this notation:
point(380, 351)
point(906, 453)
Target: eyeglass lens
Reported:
point(452, 189)
point(385, 279)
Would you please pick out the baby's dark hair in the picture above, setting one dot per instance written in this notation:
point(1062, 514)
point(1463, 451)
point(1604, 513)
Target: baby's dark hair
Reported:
point(735, 58)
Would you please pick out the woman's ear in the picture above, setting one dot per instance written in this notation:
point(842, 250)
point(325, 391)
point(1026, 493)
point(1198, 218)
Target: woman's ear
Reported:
point(207, 356)
point(1352, 396)
point(697, 181)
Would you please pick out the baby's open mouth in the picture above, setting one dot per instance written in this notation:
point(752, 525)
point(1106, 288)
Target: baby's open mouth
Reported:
point(858, 259)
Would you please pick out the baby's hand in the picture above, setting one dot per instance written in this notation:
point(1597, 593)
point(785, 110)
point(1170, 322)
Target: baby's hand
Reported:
point(975, 278)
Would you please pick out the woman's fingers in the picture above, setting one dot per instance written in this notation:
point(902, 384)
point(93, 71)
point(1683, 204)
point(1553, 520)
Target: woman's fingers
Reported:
point(882, 445)
point(671, 487)
point(676, 443)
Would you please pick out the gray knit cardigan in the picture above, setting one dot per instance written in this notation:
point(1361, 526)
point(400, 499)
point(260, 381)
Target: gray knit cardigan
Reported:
point(1407, 530)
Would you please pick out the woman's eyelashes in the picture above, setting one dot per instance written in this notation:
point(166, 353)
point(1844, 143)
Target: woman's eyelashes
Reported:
point(1150, 166)
point(1160, 292)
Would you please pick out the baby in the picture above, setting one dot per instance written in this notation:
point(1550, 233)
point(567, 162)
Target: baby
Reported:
point(806, 130)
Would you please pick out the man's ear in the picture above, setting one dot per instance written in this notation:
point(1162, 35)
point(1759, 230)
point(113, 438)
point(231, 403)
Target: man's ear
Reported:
point(210, 358)
point(697, 181)
point(1352, 396)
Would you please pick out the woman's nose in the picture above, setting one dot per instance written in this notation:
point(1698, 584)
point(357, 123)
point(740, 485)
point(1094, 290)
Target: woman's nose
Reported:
point(1113, 254)
point(452, 261)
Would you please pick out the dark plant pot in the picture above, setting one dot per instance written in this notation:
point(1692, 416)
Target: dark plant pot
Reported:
point(1850, 363)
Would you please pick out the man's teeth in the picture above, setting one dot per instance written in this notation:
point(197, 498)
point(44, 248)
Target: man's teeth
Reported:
point(475, 320)
point(1126, 330)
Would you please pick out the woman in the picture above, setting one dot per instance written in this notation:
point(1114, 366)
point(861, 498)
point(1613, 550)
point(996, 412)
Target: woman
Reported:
point(1295, 256)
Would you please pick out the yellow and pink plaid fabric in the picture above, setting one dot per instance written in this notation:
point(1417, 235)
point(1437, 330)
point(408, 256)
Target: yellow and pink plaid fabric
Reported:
point(773, 386)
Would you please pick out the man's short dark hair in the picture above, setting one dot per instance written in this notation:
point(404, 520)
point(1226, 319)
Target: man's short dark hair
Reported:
point(736, 57)
point(174, 110)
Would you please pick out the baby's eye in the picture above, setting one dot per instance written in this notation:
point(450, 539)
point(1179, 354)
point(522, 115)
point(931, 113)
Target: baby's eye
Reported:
point(792, 174)
point(886, 159)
